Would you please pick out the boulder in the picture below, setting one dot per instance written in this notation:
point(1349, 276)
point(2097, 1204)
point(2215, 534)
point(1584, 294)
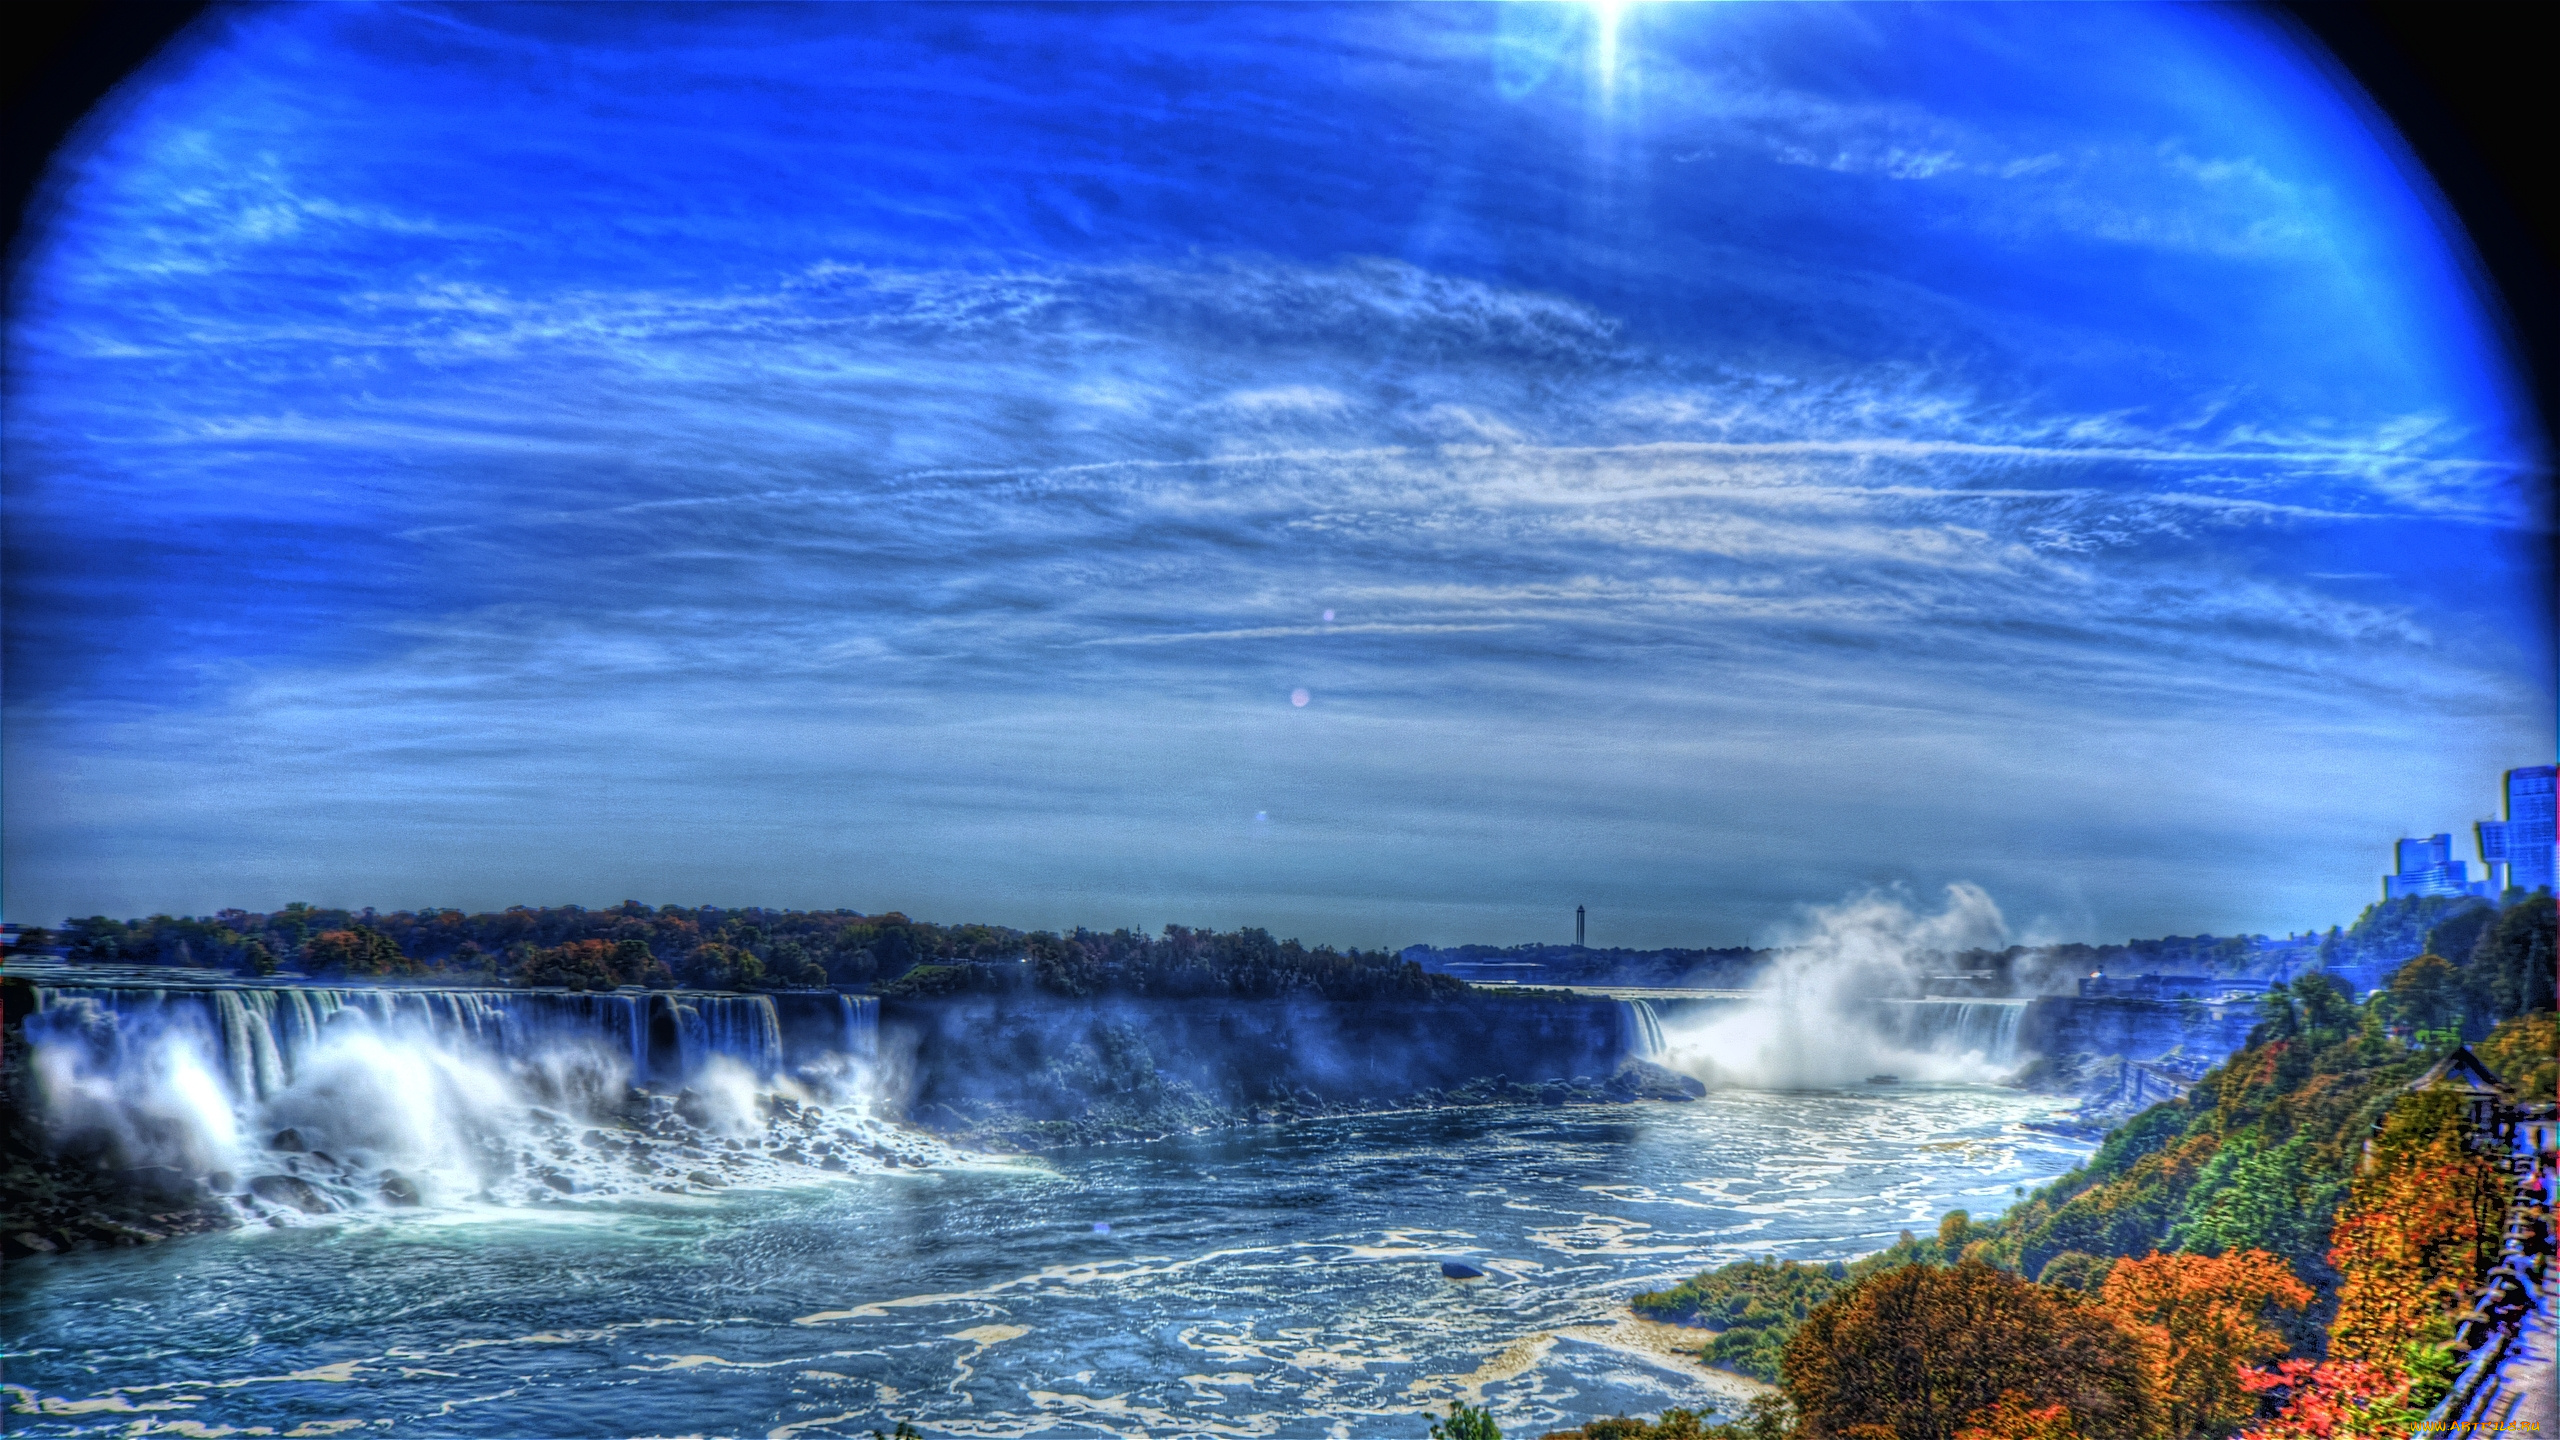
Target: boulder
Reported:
point(160, 1180)
point(398, 1189)
point(291, 1190)
point(289, 1140)
point(1460, 1270)
point(1647, 1081)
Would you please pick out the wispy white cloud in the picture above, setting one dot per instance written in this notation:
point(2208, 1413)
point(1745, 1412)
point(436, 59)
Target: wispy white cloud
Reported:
point(974, 513)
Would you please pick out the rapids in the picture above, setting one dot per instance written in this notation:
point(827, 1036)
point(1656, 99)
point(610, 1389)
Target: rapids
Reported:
point(1281, 1281)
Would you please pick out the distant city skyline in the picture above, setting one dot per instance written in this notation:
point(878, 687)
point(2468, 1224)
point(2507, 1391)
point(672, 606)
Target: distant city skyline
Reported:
point(2520, 843)
point(1384, 474)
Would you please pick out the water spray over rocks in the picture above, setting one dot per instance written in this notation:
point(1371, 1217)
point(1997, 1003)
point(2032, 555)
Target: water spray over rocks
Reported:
point(139, 1111)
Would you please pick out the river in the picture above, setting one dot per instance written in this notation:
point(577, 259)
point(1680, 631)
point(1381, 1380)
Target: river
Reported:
point(1281, 1281)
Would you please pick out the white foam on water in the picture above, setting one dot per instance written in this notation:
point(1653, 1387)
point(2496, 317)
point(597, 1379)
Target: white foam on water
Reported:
point(307, 1104)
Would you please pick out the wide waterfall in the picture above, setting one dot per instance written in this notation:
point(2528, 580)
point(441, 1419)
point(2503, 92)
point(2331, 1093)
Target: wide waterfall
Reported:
point(1952, 1026)
point(299, 1100)
point(259, 1037)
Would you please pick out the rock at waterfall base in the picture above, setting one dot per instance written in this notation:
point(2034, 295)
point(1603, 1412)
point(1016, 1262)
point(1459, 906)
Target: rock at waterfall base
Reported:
point(290, 1190)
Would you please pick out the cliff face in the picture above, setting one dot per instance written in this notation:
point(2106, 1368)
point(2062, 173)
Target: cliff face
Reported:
point(2135, 1029)
point(1042, 1071)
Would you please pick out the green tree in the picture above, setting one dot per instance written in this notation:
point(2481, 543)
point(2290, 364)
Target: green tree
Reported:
point(1466, 1422)
point(2459, 932)
point(2514, 958)
point(2076, 1270)
point(2426, 993)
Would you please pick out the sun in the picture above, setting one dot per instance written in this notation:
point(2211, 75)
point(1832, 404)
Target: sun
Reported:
point(1607, 13)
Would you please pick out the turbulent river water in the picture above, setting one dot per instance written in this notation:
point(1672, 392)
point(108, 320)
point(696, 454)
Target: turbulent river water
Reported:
point(1281, 1281)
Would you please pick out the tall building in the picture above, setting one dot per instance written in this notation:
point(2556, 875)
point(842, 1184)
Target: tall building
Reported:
point(2522, 843)
point(1577, 927)
point(2427, 867)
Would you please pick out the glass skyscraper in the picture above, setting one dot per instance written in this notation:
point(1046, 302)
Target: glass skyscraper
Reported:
point(2427, 867)
point(2524, 841)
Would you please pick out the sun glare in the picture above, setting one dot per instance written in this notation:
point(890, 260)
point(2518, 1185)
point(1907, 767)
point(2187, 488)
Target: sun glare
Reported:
point(1608, 13)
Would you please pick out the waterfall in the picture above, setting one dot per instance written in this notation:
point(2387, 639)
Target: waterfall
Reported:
point(1642, 1029)
point(861, 1025)
point(1945, 1026)
point(255, 1040)
point(296, 1100)
point(743, 1028)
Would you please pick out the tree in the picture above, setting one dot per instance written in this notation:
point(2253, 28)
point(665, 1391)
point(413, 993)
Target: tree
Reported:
point(2076, 1270)
point(2427, 993)
point(1466, 1422)
point(723, 967)
point(2341, 1400)
point(1766, 1418)
point(355, 950)
point(2525, 1052)
point(2514, 957)
point(2202, 1320)
point(2459, 931)
point(634, 964)
point(2251, 1196)
point(2420, 1228)
point(1919, 1351)
point(2014, 1419)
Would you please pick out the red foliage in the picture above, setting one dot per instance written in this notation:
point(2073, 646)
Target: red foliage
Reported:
point(2338, 1400)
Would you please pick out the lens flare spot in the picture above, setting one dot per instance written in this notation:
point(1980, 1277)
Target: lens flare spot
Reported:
point(1299, 697)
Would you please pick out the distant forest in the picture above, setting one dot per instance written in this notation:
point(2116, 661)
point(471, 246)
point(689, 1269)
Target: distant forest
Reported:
point(756, 948)
point(751, 949)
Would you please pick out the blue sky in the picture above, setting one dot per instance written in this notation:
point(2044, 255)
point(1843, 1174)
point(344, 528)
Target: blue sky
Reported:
point(910, 457)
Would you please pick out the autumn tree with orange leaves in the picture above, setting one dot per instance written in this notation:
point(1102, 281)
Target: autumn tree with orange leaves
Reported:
point(2201, 1323)
point(2014, 1418)
point(2420, 1228)
point(1920, 1352)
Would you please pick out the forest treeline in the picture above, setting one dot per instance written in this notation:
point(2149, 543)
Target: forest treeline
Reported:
point(713, 948)
point(757, 948)
point(2282, 1250)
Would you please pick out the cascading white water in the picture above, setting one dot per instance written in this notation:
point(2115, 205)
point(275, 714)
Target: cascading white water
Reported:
point(1642, 1029)
point(329, 1098)
point(743, 1028)
point(861, 1026)
point(1986, 1030)
point(258, 1036)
